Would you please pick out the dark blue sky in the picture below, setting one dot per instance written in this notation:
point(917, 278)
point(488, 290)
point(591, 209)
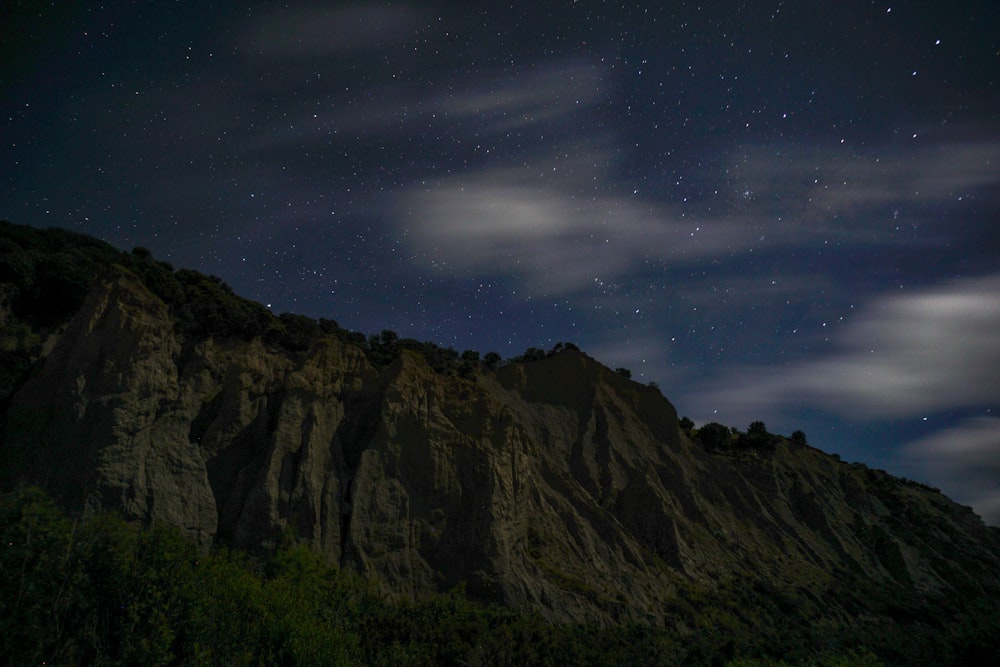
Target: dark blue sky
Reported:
point(777, 211)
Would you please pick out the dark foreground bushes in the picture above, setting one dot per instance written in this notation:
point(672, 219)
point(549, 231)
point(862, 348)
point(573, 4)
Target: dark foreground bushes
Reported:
point(98, 590)
point(102, 591)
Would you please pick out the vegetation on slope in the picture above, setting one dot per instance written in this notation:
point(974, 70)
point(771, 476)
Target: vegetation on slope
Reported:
point(97, 590)
point(45, 275)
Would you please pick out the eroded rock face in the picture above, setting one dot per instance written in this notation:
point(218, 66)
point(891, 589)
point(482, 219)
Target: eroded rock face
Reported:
point(556, 484)
point(101, 422)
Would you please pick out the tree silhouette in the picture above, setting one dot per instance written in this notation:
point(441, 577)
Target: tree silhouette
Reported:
point(757, 429)
point(714, 436)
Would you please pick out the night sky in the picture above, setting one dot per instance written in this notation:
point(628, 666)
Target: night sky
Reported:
point(777, 211)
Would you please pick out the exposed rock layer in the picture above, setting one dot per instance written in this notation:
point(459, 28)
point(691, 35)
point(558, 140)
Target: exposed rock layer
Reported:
point(555, 484)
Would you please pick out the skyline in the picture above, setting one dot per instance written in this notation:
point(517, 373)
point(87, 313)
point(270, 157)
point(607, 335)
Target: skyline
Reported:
point(777, 213)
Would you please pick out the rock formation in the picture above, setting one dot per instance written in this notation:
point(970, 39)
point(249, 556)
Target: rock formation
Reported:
point(554, 484)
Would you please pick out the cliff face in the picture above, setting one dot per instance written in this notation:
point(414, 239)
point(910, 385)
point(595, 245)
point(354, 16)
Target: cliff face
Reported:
point(555, 484)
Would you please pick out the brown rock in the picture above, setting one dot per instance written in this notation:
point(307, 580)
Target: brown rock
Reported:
point(555, 484)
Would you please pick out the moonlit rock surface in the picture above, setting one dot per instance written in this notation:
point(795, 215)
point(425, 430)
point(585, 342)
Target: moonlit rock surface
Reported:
point(555, 484)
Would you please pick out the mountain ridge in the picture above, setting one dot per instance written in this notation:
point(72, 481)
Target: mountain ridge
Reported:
point(554, 484)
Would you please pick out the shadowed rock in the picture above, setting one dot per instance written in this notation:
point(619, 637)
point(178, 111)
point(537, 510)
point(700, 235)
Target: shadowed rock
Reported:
point(556, 484)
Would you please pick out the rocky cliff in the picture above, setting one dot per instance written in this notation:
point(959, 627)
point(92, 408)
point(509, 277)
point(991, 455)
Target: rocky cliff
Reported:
point(554, 484)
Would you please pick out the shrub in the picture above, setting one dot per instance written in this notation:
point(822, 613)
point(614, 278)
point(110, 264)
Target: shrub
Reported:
point(714, 436)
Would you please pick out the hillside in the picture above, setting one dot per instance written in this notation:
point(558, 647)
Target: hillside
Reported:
point(551, 484)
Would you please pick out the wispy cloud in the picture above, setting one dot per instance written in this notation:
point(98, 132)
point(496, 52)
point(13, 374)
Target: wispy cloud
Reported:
point(965, 460)
point(934, 349)
point(558, 239)
point(316, 31)
point(824, 183)
point(543, 94)
point(556, 224)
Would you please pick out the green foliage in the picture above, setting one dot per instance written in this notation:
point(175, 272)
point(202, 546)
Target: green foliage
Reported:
point(101, 591)
point(46, 275)
point(537, 354)
point(85, 593)
point(443, 360)
point(35, 536)
point(714, 436)
point(329, 327)
point(51, 271)
point(531, 354)
point(299, 332)
point(384, 348)
point(757, 429)
point(492, 360)
point(17, 265)
point(468, 364)
point(209, 309)
point(355, 338)
point(239, 618)
point(624, 372)
point(757, 437)
point(849, 659)
point(20, 346)
point(719, 438)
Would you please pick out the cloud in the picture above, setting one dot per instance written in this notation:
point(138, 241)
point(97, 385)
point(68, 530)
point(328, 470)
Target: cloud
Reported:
point(964, 460)
point(557, 226)
point(492, 108)
point(903, 355)
point(537, 96)
point(824, 183)
point(315, 31)
point(554, 222)
point(550, 232)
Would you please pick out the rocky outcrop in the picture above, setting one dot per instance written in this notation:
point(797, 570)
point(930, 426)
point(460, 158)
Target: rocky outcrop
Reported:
point(101, 423)
point(555, 484)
